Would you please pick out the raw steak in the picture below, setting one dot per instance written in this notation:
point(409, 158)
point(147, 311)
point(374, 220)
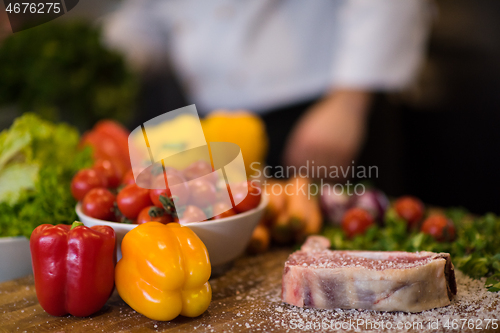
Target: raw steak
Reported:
point(384, 281)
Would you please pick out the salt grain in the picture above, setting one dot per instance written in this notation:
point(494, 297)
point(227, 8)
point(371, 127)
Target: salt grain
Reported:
point(473, 301)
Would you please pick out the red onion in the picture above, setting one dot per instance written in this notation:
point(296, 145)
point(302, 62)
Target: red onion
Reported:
point(334, 205)
point(374, 201)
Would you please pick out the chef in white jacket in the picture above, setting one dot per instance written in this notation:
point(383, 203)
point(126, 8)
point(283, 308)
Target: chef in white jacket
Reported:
point(268, 55)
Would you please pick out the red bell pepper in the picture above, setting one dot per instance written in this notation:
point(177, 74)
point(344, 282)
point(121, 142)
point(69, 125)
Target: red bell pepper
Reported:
point(74, 267)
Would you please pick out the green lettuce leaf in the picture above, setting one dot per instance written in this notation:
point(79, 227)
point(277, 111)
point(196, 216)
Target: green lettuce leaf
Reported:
point(37, 161)
point(16, 177)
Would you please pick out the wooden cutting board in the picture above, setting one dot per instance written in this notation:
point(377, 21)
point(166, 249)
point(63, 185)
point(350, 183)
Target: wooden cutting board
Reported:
point(245, 298)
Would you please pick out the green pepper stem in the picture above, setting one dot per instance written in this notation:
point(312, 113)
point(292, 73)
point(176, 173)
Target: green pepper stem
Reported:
point(76, 224)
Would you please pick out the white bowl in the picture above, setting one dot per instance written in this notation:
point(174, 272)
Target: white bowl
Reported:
point(225, 239)
point(15, 258)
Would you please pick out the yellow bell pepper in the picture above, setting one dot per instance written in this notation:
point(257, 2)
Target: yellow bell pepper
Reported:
point(164, 271)
point(242, 128)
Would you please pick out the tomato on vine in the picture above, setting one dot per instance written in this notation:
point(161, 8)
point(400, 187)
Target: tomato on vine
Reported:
point(221, 210)
point(132, 199)
point(155, 214)
point(110, 171)
point(410, 209)
point(439, 227)
point(247, 194)
point(192, 214)
point(84, 181)
point(201, 193)
point(356, 221)
point(178, 184)
point(99, 204)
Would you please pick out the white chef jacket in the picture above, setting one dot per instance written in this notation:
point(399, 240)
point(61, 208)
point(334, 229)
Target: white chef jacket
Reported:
point(263, 54)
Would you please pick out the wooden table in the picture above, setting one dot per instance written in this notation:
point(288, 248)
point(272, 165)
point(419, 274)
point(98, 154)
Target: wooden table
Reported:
point(20, 311)
point(245, 298)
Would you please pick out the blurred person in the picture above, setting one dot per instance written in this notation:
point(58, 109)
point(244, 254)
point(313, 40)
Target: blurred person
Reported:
point(309, 68)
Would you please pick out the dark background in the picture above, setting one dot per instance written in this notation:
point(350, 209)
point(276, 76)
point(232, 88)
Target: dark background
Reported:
point(438, 141)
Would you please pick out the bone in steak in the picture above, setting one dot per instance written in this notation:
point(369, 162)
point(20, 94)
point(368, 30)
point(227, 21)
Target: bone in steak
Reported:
point(383, 281)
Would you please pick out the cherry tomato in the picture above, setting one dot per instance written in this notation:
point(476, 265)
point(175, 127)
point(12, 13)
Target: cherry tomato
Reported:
point(144, 178)
point(154, 195)
point(174, 179)
point(222, 194)
point(201, 193)
point(410, 209)
point(145, 217)
point(222, 210)
point(356, 221)
point(99, 203)
point(84, 181)
point(132, 199)
point(106, 147)
point(110, 130)
point(115, 130)
point(192, 214)
point(110, 171)
point(439, 227)
point(246, 201)
point(128, 178)
point(199, 169)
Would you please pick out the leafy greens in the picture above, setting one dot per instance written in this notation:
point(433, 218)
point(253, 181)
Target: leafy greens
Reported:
point(37, 161)
point(475, 251)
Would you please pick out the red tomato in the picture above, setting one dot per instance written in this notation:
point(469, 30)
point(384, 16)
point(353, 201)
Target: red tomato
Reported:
point(110, 171)
point(109, 140)
point(410, 209)
point(192, 214)
point(99, 203)
point(246, 201)
point(222, 194)
point(145, 217)
point(198, 169)
point(439, 227)
point(222, 210)
point(105, 147)
point(181, 190)
point(154, 195)
point(356, 221)
point(114, 129)
point(180, 193)
point(132, 199)
point(201, 193)
point(128, 178)
point(84, 181)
